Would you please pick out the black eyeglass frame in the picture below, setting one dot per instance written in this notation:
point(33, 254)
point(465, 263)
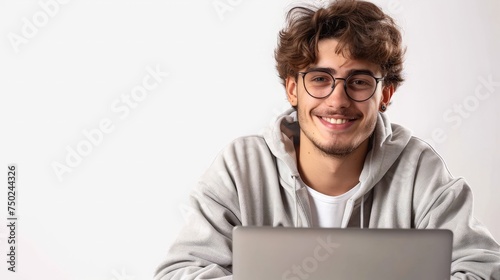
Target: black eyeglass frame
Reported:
point(342, 79)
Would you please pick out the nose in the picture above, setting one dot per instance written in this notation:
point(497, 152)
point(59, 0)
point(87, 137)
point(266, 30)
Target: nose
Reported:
point(338, 98)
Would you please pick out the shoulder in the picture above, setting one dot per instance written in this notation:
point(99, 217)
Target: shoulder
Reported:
point(418, 163)
point(245, 148)
point(244, 155)
point(249, 142)
point(425, 152)
point(415, 148)
point(239, 168)
point(431, 174)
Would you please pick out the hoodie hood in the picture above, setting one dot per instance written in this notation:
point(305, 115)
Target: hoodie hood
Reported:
point(388, 141)
point(280, 138)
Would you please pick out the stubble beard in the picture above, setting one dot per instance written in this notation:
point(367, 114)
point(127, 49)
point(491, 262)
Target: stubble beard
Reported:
point(336, 149)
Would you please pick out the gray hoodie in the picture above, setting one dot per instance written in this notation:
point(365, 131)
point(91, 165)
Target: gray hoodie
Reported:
point(255, 181)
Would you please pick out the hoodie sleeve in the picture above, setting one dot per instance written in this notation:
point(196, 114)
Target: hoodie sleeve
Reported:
point(203, 248)
point(449, 205)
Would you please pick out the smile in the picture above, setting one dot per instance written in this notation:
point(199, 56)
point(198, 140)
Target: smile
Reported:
point(335, 121)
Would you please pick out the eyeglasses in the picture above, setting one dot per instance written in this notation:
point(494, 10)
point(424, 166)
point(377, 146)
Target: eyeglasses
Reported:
point(359, 86)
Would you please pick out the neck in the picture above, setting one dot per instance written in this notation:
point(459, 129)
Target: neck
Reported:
point(329, 174)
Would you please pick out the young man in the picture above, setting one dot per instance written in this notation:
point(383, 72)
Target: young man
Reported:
point(333, 156)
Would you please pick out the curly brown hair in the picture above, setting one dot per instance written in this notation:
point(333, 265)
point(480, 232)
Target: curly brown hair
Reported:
point(363, 30)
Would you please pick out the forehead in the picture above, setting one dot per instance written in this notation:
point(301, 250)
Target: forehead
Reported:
point(328, 57)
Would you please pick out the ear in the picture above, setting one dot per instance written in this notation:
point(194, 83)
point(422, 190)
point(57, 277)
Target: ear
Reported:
point(291, 90)
point(387, 93)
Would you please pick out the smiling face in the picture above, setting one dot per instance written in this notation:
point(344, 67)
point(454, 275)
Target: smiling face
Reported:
point(336, 125)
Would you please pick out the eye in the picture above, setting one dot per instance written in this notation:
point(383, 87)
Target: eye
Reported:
point(358, 82)
point(319, 79)
point(361, 82)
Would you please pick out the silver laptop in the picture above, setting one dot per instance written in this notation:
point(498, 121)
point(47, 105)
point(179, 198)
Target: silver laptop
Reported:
point(279, 253)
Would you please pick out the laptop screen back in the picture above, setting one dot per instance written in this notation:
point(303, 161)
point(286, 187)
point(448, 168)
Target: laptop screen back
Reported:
point(279, 253)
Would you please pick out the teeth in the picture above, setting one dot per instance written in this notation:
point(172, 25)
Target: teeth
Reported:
point(335, 121)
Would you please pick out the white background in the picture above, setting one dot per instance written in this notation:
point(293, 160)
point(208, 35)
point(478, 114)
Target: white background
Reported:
point(114, 215)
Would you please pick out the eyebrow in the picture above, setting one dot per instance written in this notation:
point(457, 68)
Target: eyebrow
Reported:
point(333, 71)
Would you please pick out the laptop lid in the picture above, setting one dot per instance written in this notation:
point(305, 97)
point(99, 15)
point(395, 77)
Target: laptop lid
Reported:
point(284, 253)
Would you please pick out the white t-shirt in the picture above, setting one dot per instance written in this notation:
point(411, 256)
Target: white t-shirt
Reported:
point(327, 211)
